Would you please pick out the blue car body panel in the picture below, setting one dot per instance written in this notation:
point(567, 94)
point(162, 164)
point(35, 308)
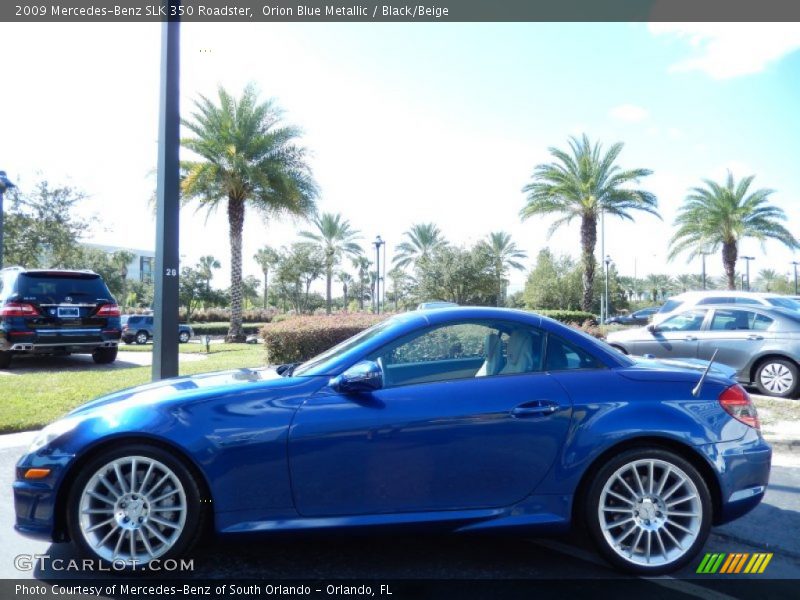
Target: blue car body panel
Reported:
point(282, 453)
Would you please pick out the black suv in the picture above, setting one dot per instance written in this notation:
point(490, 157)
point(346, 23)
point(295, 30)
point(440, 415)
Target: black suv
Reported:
point(139, 329)
point(57, 311)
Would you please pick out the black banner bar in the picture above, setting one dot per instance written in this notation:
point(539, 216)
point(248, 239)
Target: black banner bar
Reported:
point(398, 11)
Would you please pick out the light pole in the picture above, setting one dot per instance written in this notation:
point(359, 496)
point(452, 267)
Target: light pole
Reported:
point(794, 264)
point(748, 259)
point(378, 243)
point(703, 256)
point(604, 297)
point(5, 184)
point(608, 305)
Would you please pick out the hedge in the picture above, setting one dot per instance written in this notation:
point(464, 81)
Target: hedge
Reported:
point(302, 337)
point(568, 316)
point(222, 328)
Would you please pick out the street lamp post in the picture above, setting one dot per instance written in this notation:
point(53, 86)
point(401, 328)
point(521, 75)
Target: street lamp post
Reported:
point(794, 264)
point(5, 184)
point(378, 243)
point(703, 255)
point(604, 297)
point(748, 259)
point(608, 305)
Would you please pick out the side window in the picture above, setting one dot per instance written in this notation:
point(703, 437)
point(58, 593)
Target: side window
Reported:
point(149, 320)
point(459, 351)
point(748, 301)
point(689, 321)
point(733, 320)
point(762, 323)
point(562, 355)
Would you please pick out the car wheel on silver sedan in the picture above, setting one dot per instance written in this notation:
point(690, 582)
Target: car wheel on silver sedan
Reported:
point(649, 511)
point(777, 377)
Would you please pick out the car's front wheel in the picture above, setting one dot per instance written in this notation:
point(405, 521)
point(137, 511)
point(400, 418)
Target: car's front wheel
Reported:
point(104, 356)
point(134, 504)
point(183, 337)
point(649, 511)
point(141, 337)
point(777, 377)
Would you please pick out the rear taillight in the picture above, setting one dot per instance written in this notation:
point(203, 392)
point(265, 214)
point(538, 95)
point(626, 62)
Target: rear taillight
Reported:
point(737, 403)
point(18, 309)
point(108, 310)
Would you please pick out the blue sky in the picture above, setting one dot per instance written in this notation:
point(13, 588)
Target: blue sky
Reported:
point(420, 122)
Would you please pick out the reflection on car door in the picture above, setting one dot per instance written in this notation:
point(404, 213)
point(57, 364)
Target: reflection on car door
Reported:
point(737, 333)
point(676, 337)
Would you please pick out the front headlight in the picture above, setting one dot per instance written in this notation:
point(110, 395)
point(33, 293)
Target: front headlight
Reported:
point(52, 431)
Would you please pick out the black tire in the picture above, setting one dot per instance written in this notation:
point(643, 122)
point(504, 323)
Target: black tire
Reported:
point(5, 360)
point(141, 337)
point(777, 377)
point(674, 556)
point(196, 513)
point(183, 337)
point(104, 356)
point(128, 340)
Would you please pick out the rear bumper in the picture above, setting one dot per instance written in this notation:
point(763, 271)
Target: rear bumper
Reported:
point(71, 340)
point(743, 470)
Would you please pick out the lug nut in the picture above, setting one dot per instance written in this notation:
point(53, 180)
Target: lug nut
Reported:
point(124, 505)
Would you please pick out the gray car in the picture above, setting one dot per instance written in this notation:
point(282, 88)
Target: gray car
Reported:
point(762, 344)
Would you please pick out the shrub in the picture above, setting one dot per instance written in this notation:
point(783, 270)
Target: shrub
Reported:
point(568, 316)
point(300, 338)
point(589, 326)
point(219, 315)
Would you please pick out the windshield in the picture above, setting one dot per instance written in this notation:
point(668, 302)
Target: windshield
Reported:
point(670, 305)
point(784, 303)
point(350, 343)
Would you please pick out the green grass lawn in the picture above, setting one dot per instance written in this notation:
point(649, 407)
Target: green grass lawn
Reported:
point(31, 400)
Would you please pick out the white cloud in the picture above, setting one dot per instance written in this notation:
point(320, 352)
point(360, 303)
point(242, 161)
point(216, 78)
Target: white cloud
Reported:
point(725, 50)
point(629, 112)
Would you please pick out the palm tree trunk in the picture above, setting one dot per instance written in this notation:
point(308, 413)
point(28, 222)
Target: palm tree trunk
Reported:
point(730, 253)
point(344, 289)
point(588, 242)
point(236, 226)
point(328, 281)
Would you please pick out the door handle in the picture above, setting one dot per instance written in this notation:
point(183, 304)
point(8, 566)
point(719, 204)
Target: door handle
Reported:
point(535, 408)
point(690, 338)
point(755, 337)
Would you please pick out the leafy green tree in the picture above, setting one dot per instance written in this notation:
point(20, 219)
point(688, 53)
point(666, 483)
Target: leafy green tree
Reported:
point(191, 287)
point(420, 241)
point(504, 254)
point(298, 268)
point(400, 286)
point(769, 280)
point(580, 184)
point(250, 293)
point(685, 282)
point(362, 265)
point(140, 294)
point(267, 259)
point(248, 158)
point(43, 227)
point(720, 216)
point(553, 283)
point(346, 280)
point(207, 265)
point(336, 238)
point(461, 275)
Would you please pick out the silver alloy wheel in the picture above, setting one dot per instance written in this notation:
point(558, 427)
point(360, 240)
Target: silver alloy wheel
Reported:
point(776, 377)
point(650, 512)
point(141, 338)
point(183, 337)
point(132, 509)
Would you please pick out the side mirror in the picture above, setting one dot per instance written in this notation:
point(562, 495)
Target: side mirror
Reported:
point(365, 376)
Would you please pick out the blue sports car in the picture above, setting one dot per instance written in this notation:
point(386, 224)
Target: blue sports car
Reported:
point(468, 419)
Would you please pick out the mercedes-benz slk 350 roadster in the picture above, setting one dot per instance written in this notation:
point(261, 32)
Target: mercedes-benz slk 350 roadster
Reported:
point(464, 419)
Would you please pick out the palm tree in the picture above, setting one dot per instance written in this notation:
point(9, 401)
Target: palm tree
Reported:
point(504, 254)
point(721, 215)
point(334, 236)
point(580, 184)
point(422, 239)
point(685, 281)
point(346, 280)
point(267, 258)
point(399, 279)
point(768, 279)
point(206, 266)
point(248, 159)
point(362, 264)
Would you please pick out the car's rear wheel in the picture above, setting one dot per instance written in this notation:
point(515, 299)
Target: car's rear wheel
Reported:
point(5, 360)
point(649, 511)
point(183, 337)
point(104, 356)
point(141, 337)
point(777, 377)
point(134, 504)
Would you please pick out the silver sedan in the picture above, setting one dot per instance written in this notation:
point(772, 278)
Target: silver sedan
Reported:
point(762, 344)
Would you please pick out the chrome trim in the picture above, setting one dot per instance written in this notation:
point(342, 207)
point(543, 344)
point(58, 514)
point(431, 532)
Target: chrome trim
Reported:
point(25, 347)
point(747, 493)
point(69, 330)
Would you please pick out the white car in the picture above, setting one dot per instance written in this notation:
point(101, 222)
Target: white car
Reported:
point(688, 300)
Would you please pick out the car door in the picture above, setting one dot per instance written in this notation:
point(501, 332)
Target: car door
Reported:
point(442, 434)
point(675, 337)
point(737, 334)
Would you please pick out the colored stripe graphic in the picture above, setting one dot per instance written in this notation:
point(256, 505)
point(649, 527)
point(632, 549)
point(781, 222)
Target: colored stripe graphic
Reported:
point(724, 563)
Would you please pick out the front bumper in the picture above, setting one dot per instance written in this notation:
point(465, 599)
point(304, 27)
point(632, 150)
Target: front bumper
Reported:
point(36, 502)
point(743, 468)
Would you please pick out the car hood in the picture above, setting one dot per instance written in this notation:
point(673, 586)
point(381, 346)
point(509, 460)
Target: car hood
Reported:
point(191, 387)
point(675, 368)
